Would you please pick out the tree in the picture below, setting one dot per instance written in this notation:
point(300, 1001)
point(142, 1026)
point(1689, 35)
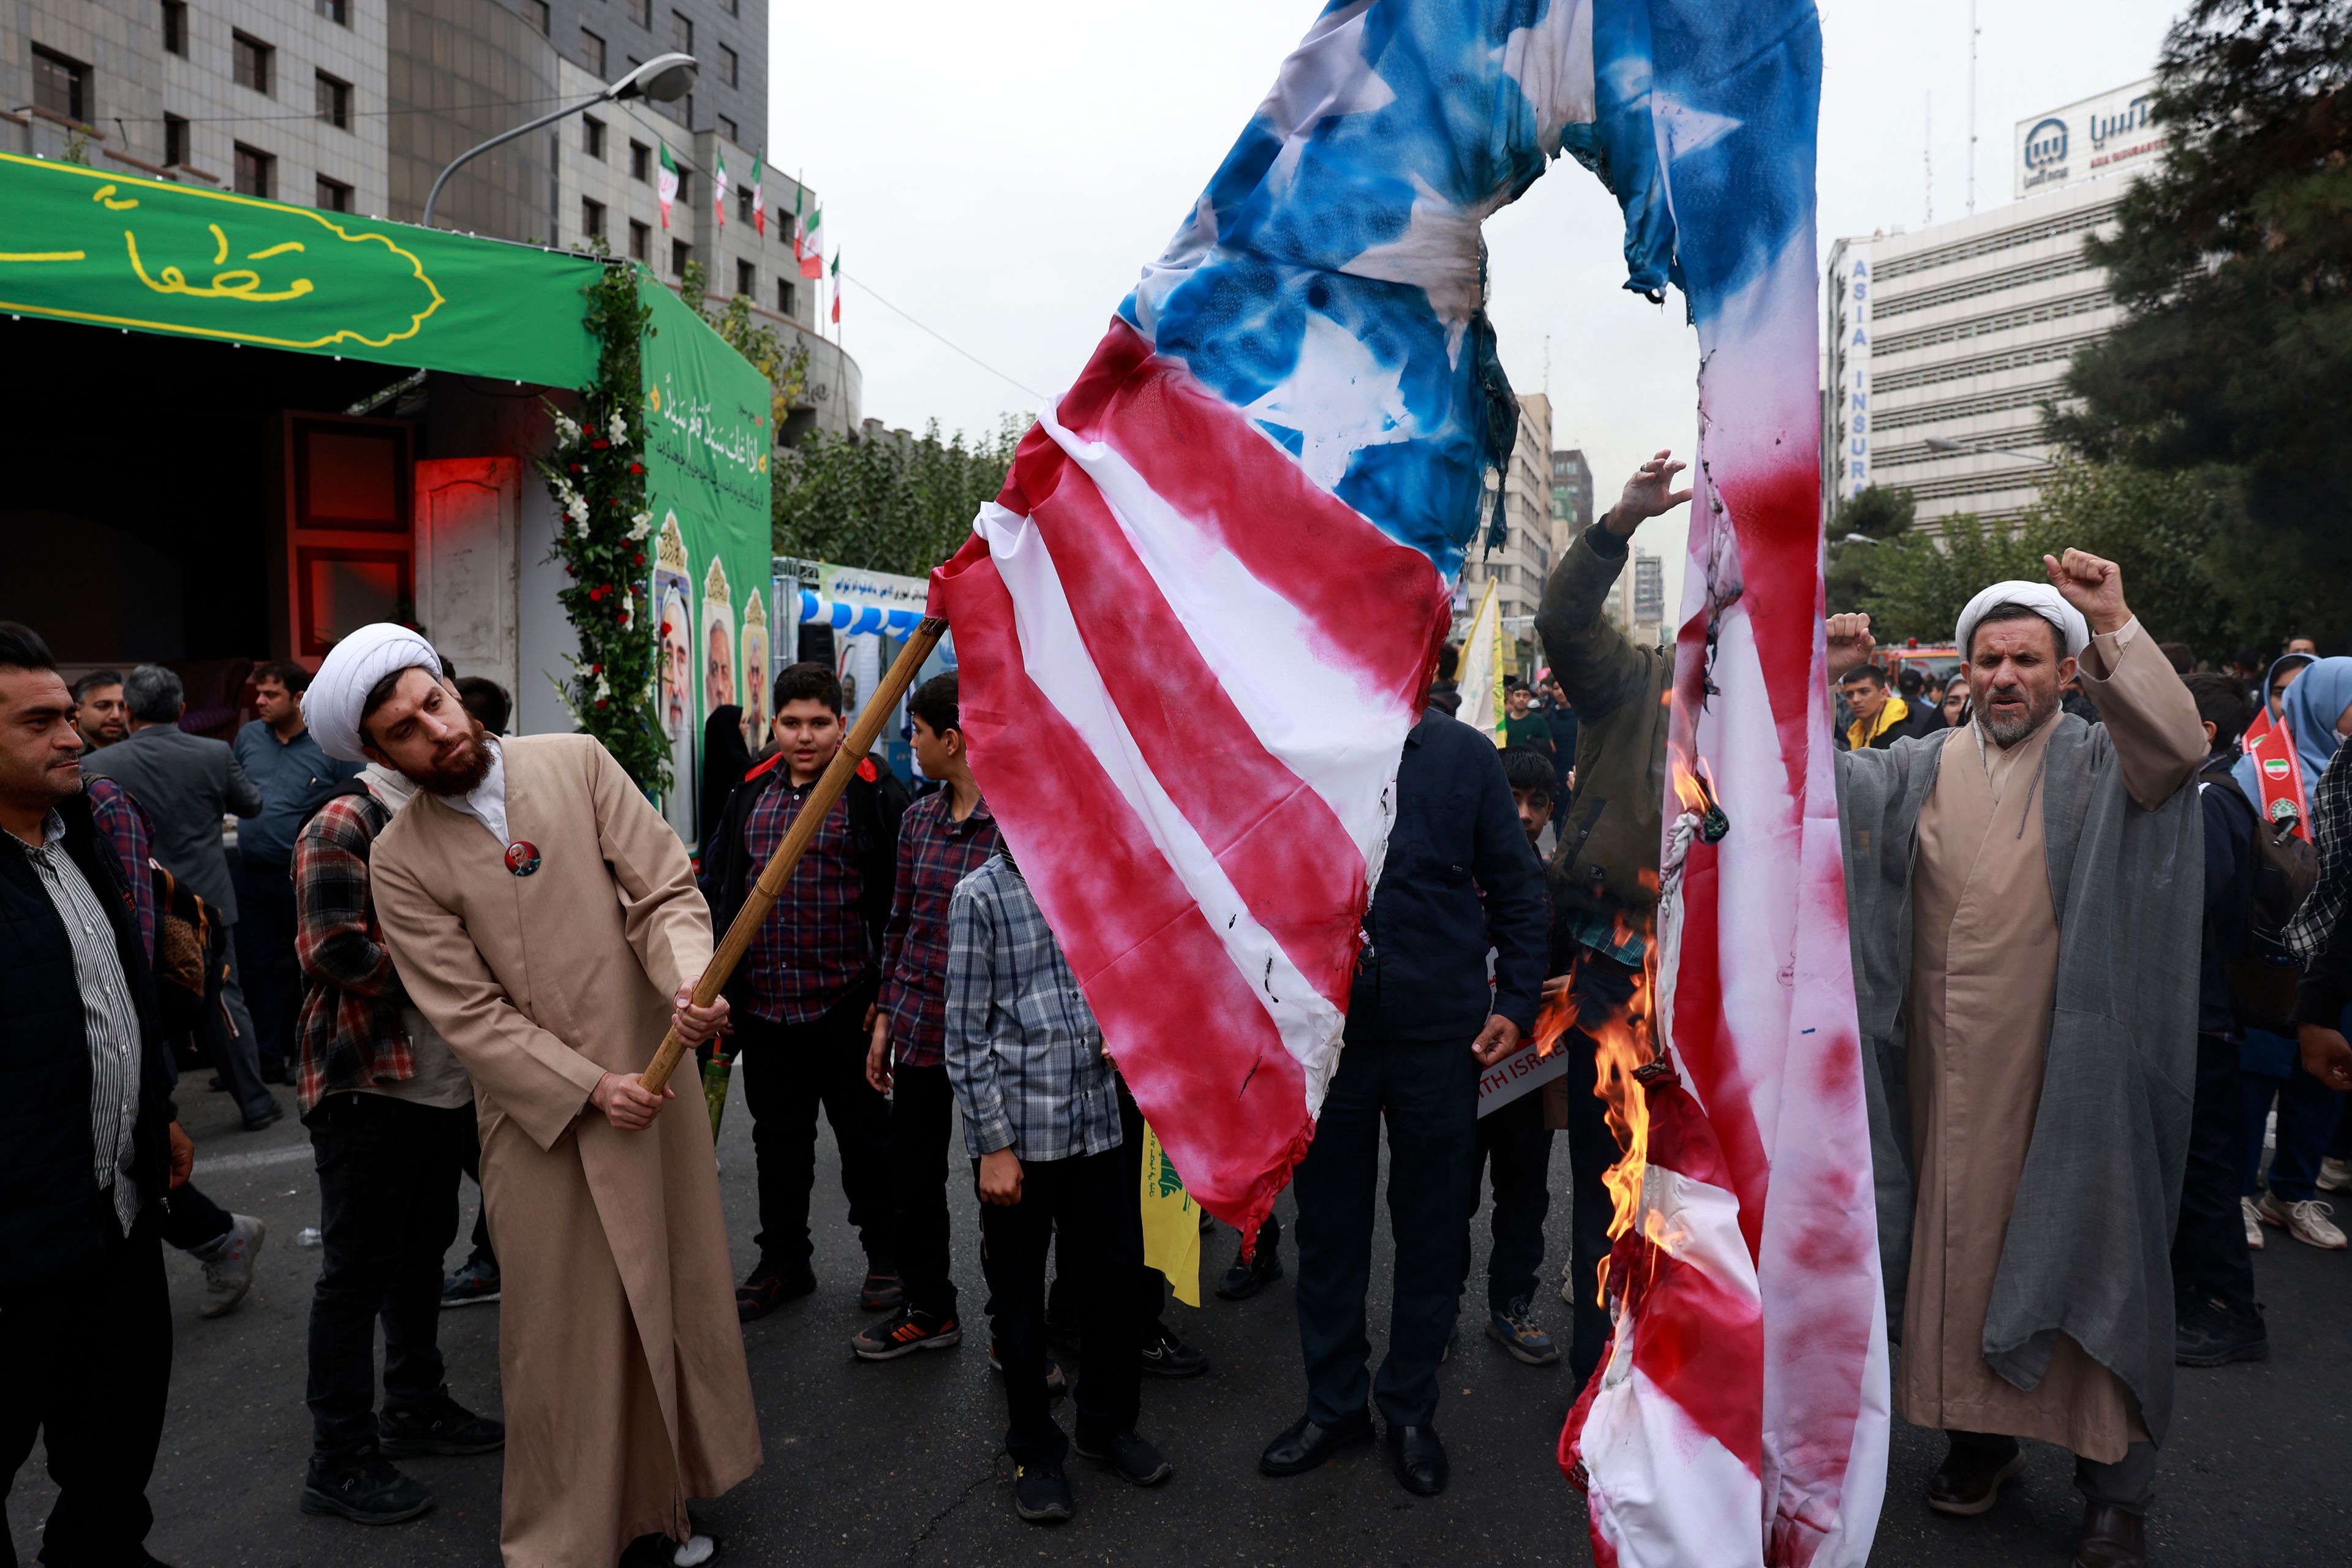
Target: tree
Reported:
point(786, 369)
point(1871, 516)
point(889, 503)
point(1918, 583)
point(2160, 529)
point(2234, 265)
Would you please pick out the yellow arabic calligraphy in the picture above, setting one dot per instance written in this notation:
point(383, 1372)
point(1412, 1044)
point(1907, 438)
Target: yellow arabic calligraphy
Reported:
point(238, 283)
point(42, 255)
point(106, 193)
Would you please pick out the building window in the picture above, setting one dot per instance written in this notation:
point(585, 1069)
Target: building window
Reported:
point(591, 136)
point(60, 86)
point(640, 241)
point(257, 172)
point(175, 139)
point(592, 218)
point(175, 27)
point(686, 187)
point(641, 162)
point(535, 13)
point(591, 52)
point(252, 58)
point(726, 129)
point(681, 253)
point(334, 101)
point(783, 297)
point(729, 69)
point(681, 31)
point(747, 278)
point(334, 196)
point(743, 205)
point(641, 12)
point(336, 11)
point(686, 103)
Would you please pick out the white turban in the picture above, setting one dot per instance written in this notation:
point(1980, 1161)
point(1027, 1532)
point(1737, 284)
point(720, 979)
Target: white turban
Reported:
point(2043, 599)
point(331, 706)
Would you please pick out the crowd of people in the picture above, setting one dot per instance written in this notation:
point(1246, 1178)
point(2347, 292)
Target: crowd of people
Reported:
point(2075, 1079)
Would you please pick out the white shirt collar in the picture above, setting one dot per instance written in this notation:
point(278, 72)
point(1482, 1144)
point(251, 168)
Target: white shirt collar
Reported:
point(486, 804)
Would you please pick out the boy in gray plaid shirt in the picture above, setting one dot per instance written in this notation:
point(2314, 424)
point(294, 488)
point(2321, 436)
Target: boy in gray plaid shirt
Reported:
point(1041, 1121)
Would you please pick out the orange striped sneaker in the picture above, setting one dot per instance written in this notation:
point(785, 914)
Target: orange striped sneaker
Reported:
point(904, 1333)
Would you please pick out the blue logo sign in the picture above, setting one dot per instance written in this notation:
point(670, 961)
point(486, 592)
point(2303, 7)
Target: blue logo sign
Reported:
point(2045, 144)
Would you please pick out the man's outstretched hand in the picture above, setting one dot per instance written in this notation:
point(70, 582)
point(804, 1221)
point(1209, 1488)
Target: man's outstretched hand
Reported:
point(2092, 586)
point(1648, 493)
point(1850, 644)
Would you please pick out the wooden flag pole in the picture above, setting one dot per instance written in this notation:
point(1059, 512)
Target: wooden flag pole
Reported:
point(829, 785)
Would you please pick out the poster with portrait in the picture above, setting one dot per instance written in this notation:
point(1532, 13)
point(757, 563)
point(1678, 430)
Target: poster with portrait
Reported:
point(717, 647)
point(675, 711)
point(753, 673)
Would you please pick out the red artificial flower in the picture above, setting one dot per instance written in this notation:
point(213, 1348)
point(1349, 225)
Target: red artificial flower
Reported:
point(575, 468)
point(639, 558)
point(637, 468)
point(600, 443)
point(600, 702)
point(664, 629)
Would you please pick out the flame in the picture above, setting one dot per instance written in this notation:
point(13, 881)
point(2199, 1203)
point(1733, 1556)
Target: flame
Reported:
point(1623, 1044)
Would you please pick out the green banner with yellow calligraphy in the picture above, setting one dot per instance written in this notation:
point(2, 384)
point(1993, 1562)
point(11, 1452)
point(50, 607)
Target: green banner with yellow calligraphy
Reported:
point(78, 244)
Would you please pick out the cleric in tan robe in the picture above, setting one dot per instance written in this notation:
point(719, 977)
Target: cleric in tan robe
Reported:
point(2024, 896)
point(544, 917)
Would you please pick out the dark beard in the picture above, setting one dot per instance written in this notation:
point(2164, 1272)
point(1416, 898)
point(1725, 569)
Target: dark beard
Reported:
point(460, 775)
point(2006, 734)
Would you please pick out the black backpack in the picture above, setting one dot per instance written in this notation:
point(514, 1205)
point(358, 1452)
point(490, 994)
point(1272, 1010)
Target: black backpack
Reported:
point(2262, 978)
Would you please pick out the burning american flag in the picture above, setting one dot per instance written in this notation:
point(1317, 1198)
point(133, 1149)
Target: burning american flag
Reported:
point(1199, 621)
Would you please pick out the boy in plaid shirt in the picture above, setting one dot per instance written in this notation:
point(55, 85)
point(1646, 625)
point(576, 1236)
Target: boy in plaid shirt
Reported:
point(943, 837)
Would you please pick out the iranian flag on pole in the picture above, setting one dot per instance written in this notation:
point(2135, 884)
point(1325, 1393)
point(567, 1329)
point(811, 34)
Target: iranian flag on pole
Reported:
point(813, 247)
point(665, 183)
point(836, 287)
point(759, 200)
point(799, 223)
point(719, 186)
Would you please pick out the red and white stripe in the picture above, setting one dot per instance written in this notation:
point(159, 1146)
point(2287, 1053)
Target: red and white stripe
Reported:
point(1187, 720)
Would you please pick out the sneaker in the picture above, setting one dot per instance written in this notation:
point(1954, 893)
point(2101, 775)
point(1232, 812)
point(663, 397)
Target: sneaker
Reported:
point(2307, 1221)
point(363, 1488)
point(1511, 1327)
point(229, 1273)
point(2254, 1218)
point(1248, 1276)
point(476, 1282)
point(1127, 1457)
point(905, 1332)
point(444, 1426)
point(1041, 1494)
point(771, 1285)
point(2208, 1335)
point(2335, 1175)
point(1165, 1355)
point(881, 1292)
point(1056, 1384)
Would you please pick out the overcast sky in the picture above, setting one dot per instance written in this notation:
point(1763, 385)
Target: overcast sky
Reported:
point(1002, 172)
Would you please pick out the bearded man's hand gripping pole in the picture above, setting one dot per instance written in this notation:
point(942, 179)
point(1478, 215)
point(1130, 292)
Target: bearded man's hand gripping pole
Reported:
point(702, 1010)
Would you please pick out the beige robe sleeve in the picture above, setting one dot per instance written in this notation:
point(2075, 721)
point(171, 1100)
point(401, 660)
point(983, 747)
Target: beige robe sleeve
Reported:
point(2159, 741)
point(534, 1076)
point(663, 912)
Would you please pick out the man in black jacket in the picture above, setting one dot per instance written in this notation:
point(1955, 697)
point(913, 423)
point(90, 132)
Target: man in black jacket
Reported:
point(802, 998)
point(86, 1144)
point(1422, 1021)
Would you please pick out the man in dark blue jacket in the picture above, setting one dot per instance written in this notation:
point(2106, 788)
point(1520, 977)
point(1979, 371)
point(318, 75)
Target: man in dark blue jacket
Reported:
point(1423, 1022)
point(86, 1140)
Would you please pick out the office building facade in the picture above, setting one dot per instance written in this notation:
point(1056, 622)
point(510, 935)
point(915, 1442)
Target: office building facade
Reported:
point(1519, 564)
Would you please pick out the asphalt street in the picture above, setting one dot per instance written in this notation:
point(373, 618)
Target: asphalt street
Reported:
point(900, 1463)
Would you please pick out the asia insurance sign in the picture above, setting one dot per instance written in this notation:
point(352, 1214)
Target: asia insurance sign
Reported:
point(2110, 134)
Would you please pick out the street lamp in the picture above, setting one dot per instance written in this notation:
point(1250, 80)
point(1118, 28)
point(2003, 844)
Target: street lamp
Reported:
point(1939, 444)
point(664, 79)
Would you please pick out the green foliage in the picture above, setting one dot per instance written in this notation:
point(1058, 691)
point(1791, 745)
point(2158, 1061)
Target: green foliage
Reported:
point(786, 369)
point(1918, 587)
point(889, 503)
point(597, 475)
point(1872, 514)
point(2234, 265)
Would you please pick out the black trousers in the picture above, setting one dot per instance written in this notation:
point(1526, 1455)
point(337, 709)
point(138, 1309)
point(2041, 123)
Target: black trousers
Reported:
point(922, 1121)
point(482, 1202)
point(1092, 1204)
point(1514, 1144)
point(1427, 1092)
point(265, 957)
point(190, 1220)
point(388, 1210)
point(2209, 1246)
point(89, 1370)
point(788, 1071)
point(2128, 1484)
point(1151, 1287)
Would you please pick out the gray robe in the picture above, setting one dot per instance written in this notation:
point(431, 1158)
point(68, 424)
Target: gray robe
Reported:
point(2086, 1251)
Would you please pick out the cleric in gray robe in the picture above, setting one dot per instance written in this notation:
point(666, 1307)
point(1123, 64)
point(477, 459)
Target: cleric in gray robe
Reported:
point(2024, 896)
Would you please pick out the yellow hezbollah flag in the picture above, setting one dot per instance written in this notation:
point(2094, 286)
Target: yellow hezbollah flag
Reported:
point(1171, 1224)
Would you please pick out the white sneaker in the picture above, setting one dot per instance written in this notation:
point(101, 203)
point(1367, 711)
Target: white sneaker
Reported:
point(2254, 1218)
point(2307, 1221)
point(2335, 1175)
point(229, 1275)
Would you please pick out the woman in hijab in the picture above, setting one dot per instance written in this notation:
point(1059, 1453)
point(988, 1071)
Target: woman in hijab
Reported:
point(2317, 709)
point(725, 760)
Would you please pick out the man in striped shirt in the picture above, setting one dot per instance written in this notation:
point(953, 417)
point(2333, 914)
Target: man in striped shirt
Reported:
point(86, 1139)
